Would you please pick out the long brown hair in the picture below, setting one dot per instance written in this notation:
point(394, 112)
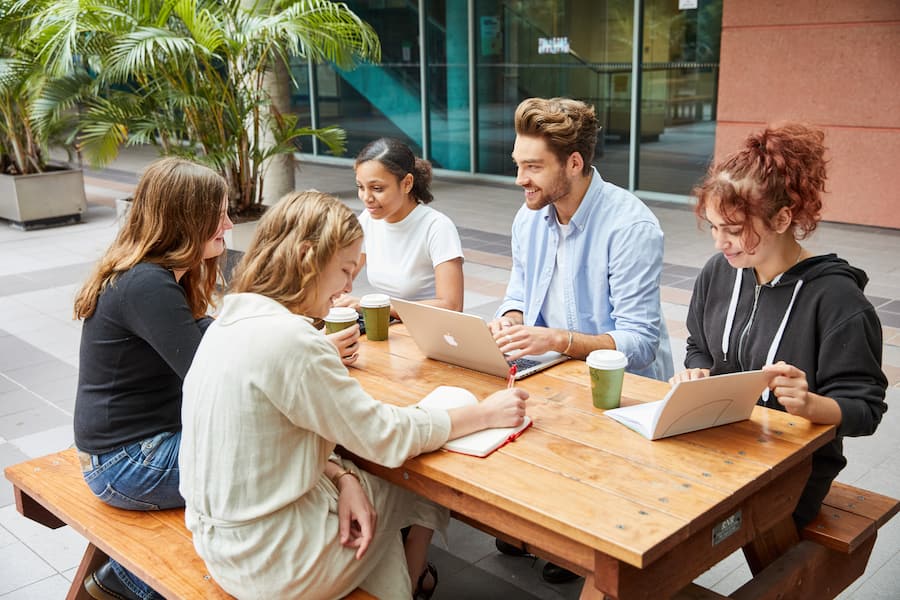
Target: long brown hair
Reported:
point(176, 209)
point(293, 243)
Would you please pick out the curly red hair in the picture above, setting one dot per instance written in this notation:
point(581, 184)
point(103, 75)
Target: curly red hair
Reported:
point(781, 166)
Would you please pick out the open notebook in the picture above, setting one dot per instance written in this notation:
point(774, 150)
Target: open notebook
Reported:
point(696, 404)
point(480, 443)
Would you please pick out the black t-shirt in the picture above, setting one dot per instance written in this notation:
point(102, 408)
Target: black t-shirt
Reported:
point(135, 351)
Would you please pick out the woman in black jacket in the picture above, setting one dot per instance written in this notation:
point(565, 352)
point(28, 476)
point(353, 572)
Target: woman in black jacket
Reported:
point(144, 311)
point(767, 302)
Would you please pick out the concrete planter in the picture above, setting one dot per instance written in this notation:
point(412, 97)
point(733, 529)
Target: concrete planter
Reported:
point(123, 207)
point(42, 199)
point(239, 238)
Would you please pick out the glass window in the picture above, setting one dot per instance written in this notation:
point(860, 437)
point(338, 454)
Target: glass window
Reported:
point(575, 48)
point(678, 107)
point(301, 103)
point(382, 100)
point(447, 55)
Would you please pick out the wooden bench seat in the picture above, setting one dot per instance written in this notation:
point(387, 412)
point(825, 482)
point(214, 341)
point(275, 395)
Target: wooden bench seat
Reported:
point(849, 516)
point(834, 548)
point(155, 546)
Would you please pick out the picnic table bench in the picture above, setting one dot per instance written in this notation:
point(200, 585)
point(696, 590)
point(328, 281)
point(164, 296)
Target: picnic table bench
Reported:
point(832, 554)
point(156, 546)
point(50, 490)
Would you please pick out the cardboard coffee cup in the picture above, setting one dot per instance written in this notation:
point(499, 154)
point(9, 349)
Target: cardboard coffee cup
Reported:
point(607, 370)
point(339, 317)
point(376, 310)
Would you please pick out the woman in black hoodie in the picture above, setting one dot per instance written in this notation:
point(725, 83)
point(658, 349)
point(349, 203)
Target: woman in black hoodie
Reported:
point(766, 302)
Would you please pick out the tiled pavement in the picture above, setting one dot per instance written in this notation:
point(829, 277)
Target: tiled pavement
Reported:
point(41, 270)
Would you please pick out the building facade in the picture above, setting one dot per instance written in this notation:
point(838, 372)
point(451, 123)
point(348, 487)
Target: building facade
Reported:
point(692, 76)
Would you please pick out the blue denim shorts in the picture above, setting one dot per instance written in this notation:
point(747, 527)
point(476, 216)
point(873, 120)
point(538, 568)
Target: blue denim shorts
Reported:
point(139, 476)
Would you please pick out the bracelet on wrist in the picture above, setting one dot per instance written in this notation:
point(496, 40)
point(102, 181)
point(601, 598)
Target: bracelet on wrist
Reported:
point(337, 476)
point(569, 345)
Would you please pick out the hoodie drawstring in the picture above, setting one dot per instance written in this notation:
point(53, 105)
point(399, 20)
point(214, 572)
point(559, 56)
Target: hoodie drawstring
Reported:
point(780, 333)
point(732, 308)
point(729, 322)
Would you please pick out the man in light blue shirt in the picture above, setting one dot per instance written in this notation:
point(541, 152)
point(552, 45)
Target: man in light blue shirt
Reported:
point(587, 255)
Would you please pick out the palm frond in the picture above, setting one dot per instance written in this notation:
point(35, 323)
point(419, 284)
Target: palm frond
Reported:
point(146, 49)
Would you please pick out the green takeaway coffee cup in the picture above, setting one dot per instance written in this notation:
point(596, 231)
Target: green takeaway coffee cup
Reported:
point(339, 317)
point(376, 310)
point(607, 369)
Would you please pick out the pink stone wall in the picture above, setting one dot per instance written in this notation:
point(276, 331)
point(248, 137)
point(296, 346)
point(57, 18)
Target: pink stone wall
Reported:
point(830, 63)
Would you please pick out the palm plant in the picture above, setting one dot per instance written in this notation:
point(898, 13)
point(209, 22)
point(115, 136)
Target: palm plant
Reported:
point(188, 75)
point(25, 139)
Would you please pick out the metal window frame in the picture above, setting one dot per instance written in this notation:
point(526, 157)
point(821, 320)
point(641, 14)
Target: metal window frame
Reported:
point(473, 174)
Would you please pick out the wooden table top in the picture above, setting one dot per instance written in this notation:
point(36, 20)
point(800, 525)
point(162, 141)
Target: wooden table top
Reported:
point(579, 478)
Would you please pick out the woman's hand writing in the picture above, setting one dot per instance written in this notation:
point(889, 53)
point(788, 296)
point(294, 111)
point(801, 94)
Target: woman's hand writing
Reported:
point(505, 408)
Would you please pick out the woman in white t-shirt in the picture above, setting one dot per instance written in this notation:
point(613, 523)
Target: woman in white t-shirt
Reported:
point(411, 251)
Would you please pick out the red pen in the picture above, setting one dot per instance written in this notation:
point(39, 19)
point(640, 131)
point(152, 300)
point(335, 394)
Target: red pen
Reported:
point(511, 378)
point(514, 436)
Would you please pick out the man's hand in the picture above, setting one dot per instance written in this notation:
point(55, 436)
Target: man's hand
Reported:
point(517, 341)
point(509, 319)
point(356, 515)
point(347, 343)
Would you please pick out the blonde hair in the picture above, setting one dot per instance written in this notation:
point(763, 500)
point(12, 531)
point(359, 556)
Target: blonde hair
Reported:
point(293, 243)
point(176, 209)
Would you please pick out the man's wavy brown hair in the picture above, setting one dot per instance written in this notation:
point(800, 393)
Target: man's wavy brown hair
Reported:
point(293, 243)
point(781, 166)
point(565, 125)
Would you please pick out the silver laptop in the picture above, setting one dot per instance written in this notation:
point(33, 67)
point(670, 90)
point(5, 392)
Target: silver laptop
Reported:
point(464, 340)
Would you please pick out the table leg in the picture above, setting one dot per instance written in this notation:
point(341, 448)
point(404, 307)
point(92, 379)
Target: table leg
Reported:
point(92, 560)
point(767, 547)
point(590, 591)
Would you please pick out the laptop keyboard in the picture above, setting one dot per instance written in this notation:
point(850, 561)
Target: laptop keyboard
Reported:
point(524, 363)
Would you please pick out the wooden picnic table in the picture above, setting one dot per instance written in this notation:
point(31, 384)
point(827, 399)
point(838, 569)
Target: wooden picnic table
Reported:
point(645, 518)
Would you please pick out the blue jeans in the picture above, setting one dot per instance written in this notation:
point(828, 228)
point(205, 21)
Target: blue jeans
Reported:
point(139, 476)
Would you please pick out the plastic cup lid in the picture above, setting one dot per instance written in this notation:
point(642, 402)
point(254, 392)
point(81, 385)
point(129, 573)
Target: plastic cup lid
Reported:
point(341, 314)
point(606, 359)
point(375, 300)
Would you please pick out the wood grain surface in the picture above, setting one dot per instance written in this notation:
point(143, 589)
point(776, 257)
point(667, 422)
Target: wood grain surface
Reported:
point(583, 489)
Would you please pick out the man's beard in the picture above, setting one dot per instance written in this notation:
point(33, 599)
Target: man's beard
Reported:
point(561, 188)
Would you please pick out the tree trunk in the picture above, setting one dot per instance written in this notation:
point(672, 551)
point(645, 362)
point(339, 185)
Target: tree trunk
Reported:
point(278, 173)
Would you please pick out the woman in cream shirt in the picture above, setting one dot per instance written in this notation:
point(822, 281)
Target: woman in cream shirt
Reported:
point(273, 511)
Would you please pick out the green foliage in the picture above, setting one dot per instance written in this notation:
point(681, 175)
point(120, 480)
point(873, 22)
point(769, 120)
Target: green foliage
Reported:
point(187, 75)
point(24, 86)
